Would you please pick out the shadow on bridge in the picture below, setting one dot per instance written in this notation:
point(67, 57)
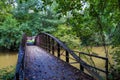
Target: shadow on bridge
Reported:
point(41, 60)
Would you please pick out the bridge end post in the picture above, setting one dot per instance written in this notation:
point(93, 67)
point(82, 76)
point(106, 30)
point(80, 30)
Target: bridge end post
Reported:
point(17, 76)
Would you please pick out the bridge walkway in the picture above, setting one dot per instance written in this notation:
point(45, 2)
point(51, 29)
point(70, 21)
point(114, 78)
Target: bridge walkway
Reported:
point(41, 65)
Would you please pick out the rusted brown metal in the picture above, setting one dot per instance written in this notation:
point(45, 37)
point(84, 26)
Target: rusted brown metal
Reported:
point(53, 46)
point(20, 61)
point(55, 41)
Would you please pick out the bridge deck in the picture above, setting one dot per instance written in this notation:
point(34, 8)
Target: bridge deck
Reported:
point(40, 65)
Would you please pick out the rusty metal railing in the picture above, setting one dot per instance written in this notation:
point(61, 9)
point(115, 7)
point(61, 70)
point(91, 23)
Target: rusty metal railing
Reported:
point(58, 48)
point(19, 74)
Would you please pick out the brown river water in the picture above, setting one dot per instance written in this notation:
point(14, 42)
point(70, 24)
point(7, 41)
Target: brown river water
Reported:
point(7, 59)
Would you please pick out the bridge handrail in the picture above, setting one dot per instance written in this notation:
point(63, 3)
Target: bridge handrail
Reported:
point(100, 57)
point(104, 58)
point(60, 43)
point(20, 61)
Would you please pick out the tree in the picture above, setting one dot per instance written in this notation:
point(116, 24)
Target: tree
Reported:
point(36, 16)
point(94, 21)
point(5, 10)
point(92, 18)
point(29, 16)
point(10, 34)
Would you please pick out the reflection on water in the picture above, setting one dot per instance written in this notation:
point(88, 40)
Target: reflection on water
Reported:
point(7, 59)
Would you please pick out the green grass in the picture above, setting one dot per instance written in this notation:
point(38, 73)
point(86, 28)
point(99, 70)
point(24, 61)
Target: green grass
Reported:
point(7, 73)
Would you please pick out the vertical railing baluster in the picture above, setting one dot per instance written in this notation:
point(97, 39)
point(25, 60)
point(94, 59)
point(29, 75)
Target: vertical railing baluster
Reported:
point(40, 41)
point(58, 50)
point(46, 43)
point(81, 67)
point(17, 76)
point(67, 56)
point(23, 62)
point(43, 41)
point(79, 63)
point(106, 66)
point(53, 46)
point(49, 47)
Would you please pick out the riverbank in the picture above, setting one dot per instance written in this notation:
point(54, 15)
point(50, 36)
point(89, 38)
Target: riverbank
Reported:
point(7, 73)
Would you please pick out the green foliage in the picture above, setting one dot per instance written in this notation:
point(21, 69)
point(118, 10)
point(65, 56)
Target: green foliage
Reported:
point(35, 18)
point(116, 52)
point(66, 34)
point(26, 8)
point(5, 9)
point(116, 36)
point(68, 5)
point(10, 33)
point(7, 73)
point(27, 17)
point(94, 22)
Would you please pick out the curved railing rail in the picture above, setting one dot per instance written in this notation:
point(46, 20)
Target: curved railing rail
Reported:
point(20, 62)
point(58, 48)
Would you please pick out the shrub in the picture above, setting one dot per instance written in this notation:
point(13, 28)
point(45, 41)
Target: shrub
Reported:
point(7, 73)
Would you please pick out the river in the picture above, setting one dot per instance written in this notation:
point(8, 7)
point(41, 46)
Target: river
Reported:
point(7, 59)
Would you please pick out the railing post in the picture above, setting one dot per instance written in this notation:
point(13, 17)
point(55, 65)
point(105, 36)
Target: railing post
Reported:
point(106, 66)
point(67, 56)
point(81, 67)
point(42, 41)
point(23, 63)
point(58, 50)
point(49, 47)
point(17, 76)
point(46, 43)
point(53, 46)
